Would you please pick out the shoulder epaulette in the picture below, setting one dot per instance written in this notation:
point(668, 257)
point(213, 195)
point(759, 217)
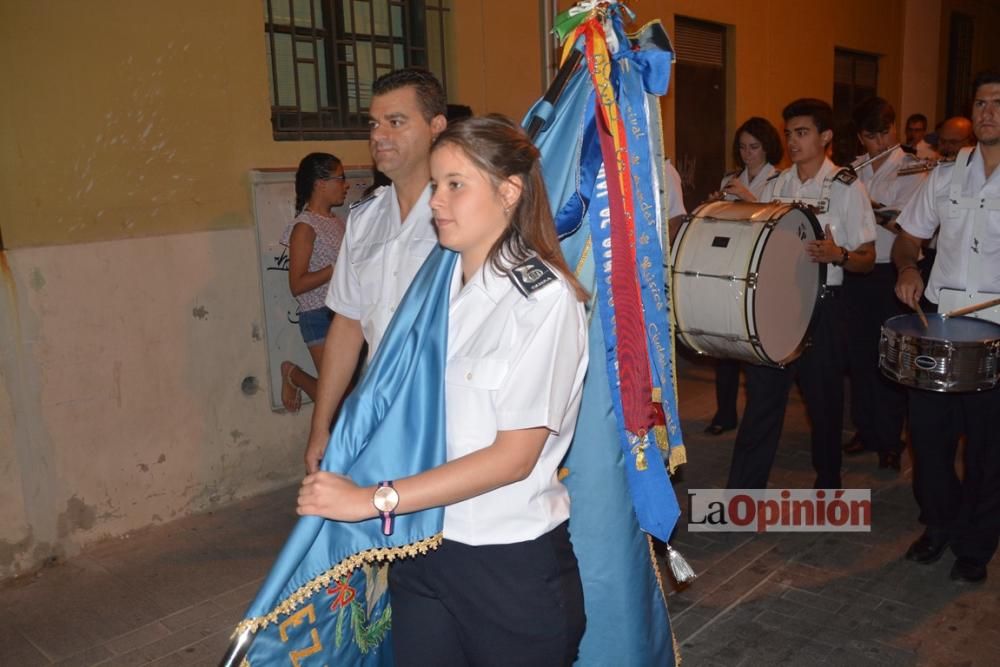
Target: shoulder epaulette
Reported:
point(777, 172)
point(364, 201)
point(845, 176)
point(531, 275)
point(735, 172)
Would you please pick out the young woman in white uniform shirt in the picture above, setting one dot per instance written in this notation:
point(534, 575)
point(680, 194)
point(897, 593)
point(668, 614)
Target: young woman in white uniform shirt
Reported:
point(756, 150)
point(503, 588)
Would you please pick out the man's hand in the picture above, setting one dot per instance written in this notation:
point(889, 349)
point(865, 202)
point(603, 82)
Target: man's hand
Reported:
point(910, 286)
point(825, 250)
point(315, 449)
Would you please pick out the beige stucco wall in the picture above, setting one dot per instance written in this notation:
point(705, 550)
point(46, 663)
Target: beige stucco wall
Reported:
point(921, 58)
point(784, 50)
point(130, 305)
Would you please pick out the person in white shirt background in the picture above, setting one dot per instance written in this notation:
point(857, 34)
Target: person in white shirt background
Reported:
point(916, 130)
point(878, 405)
point(845, 214)
point(961, 200)
point(757, 151)
point(503, 587)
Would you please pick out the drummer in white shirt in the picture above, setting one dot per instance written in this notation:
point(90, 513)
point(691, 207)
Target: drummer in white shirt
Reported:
point(878, 405)
point(756, 150)
point(845, 214)
point(962, 200)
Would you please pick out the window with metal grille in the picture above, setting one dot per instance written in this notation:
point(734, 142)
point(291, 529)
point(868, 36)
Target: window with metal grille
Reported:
point(323, 56)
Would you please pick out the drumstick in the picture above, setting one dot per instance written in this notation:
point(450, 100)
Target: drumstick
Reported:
point(920, 314)
point(971, 309)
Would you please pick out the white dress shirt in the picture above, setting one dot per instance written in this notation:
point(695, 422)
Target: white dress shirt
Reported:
point(755, 186)
point(378, 260)
point(514, 362)
point(891, 191)
point(848, 209)
point(966, 213)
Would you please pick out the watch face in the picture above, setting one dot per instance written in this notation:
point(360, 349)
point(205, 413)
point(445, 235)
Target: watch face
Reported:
point(385, 499)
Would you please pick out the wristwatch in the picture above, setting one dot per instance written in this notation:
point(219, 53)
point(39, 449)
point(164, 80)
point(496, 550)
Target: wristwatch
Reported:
point(386, 499)
point(846, 254)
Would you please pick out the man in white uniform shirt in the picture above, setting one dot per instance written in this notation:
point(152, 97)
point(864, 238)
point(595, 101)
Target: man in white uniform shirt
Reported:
point(389, 235)
point(916, 130)
point(878, 405)
point(962, 201)
point(849, 227)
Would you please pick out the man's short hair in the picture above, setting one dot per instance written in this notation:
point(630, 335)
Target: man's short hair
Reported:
point(873, 115)
point(985, 78)
point(430, 93)
point(818, 110)
point(917, 117)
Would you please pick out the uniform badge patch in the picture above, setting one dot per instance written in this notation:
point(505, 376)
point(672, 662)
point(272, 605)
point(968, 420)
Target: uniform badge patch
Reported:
point(531, 275)
point(361, 203)
point(846, 176)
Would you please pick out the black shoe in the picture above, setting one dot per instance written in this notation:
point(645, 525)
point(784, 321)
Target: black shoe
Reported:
point(854, 446)
point(967, 571)
point(926, 550)
point(888, 460)
point(718, 429)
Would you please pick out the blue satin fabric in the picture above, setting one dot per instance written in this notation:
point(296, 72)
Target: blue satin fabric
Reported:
point(391, 426)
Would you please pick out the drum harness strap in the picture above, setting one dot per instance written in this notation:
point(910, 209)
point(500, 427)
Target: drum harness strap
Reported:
point(820, 206)
point(982, 207)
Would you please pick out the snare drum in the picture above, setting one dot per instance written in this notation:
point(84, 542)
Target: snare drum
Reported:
point(951, 354)
point(742, 284)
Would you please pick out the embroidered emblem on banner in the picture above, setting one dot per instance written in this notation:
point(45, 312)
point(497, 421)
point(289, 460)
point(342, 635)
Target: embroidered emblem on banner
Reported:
point(530, 276)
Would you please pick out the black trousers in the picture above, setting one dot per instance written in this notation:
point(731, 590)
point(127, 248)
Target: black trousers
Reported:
point(820, 372)
point(878, 405)
point(727, 386)
point(501, 604)
point(966, 511)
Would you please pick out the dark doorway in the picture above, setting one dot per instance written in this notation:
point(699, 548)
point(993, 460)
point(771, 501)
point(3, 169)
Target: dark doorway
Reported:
point(855, 79)
point(960, 33)
point(700, 107)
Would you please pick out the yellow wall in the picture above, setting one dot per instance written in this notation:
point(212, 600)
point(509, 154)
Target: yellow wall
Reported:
point(133, 119)
point(784, 50)
point(985, 45)
point(130, 300)
point(922, 47)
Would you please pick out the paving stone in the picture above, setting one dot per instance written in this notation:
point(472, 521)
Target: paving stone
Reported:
point(15, 649)
point(146, 634)
point(88, 658)
point(191, 615)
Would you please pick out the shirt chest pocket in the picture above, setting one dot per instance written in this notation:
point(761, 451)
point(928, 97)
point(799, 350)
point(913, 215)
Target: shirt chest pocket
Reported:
point(477, 372)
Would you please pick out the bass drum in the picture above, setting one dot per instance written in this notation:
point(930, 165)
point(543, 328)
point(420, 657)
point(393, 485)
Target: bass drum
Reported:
point(743, 286)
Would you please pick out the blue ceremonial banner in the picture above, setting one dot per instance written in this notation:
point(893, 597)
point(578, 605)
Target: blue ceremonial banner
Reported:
point(614, 498)
point(325, 601)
